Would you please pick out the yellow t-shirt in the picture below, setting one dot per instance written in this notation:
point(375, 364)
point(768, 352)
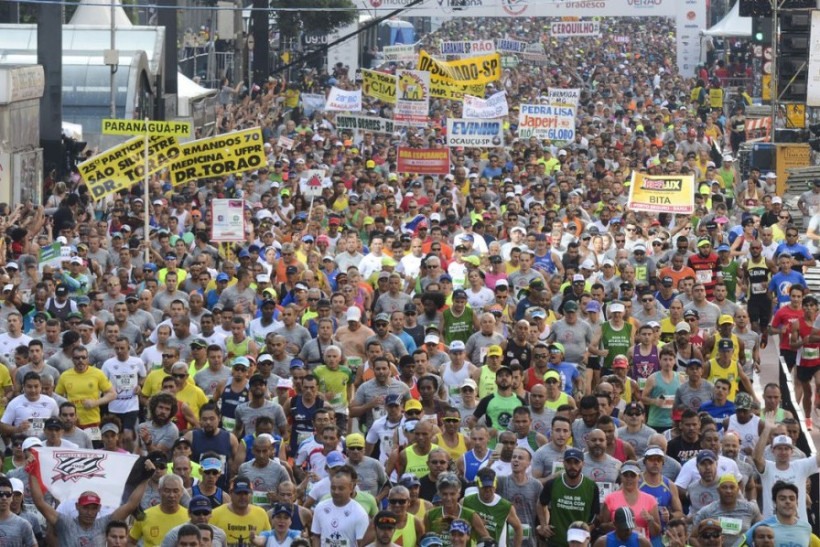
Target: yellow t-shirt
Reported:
point(5, 381)
point(153, 382)
point(78, 387)
point(192, 396)
point(156, 525)
point(237, 527)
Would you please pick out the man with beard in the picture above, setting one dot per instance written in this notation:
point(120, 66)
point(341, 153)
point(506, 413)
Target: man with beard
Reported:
point(265, 324)
point(567, 497)
point(247, 413)
point(736, 515)
point(209, 437)
point(600, 466)
point(498, 513)
point(369, 401)
point(160, 433)
point(498, 407)
point(730, 449)
point(686, 445)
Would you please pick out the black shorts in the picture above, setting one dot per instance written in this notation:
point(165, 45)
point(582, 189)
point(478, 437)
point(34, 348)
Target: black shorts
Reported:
point(129, 420)
point(805, 374)
point(594, 363)
point(760, 311)
point(790, 356)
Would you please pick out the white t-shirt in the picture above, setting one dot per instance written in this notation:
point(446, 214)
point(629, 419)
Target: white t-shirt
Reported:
point(339, 526)
point(20, 409)
point(796, 474)
point(9, 344)
point(124, 375)
point(151, 358)
point(689, 472)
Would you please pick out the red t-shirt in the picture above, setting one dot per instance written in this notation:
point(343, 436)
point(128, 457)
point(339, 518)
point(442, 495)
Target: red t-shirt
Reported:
point(785, 316)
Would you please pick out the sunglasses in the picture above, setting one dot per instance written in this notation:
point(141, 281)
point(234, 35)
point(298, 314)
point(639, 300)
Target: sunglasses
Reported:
point(452, 420)
point(710, 535)
point(179, 376)
point(168, 356)
point(211, 472)
point(6, 494)
point(398, 501)
point(200, 513)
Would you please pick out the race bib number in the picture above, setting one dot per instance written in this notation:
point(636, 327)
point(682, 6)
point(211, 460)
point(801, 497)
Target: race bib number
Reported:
point(759, 288)
point(260, 498)
point(811, 353)
point(353, 363)
point(731, 526)
point(704, 276)
point(94, 433)
point(667, 402)
point(557, 467)
point(228, 423)
point(378, 412)
point(302, 436)
point(125, 382)
point(641, 383)
point(386, 444)
point(604, 489)
point(37, 426)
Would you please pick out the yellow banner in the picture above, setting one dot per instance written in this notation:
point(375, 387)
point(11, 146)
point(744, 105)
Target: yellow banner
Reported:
point(121, 167)
point(480, 70)
point(662, 194)
point(379, 85)
point(221, 155)
point(445, 89)
point(139, 127)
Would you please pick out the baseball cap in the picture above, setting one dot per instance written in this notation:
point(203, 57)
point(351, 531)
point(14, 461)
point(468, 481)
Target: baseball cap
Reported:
point(335, 459)
point(460, 525)
point(355, 440)
point(468, 382)
point(706, 455)
point(281, 509)
point(354, 314)
point(574, 454)
point(61, 290)
point(683, 326)
point(431, 339)
point(199, 503)
point(242, 485)
point(431, 540)
point(704, 241)
point(709, 524)
point(726, 344)
point(56, 423)
point(570, 306)
point(409, 480)
point(667, 281)
point(17, 485)
point(624, 519)
point(222, 277)
point(89, 499)
point(412, 404)
point(459, 293)
point(31, 441)
point(691, 313)
point(743, 401)
point(633, 407)
point(726, 319)
point(780, 440)
point(559, 346)
point(457, 345)
point(620, 361)
point(654, 451)
point(694, 363)
point(393, 399)
point(593, 306)
point(495, 351)
point(385, 520)
point(381, 318)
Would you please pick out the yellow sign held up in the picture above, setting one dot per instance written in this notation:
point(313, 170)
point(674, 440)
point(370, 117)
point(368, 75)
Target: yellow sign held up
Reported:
point(221, 155)
point(379, 85)
point(479, 70)
point(140, 127)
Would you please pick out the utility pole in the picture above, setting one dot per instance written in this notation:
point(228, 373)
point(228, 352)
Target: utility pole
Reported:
point(775, 101)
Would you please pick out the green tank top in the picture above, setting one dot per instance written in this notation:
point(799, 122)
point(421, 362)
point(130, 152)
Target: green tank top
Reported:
point(616, 341)
point(563, 399)
point(458, 328)
point(237, 350)
point(500, 411)
point(416, 463)
point(729, 273)
point(494, 516)
point(568, 505)
point(486, 382)
point(406, 535)
point(436, 522)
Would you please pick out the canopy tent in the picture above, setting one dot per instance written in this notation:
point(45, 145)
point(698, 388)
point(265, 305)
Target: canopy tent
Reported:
point(92, 13)
point(188, 93)
point(732, 25)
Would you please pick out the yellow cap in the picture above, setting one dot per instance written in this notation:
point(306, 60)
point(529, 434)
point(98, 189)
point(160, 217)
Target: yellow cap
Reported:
point(412, 404)
point(495, 351)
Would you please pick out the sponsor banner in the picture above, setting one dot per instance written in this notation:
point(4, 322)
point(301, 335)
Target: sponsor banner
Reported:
point(122, 166)
point(363, 123)
point(482, 70)
point(140, 127)
point(468, 48)
point(569, 29)
point(379, 85)
point(67, 473)
point(423, 161)
point(510, 46)
point(343, 100)
point(285, 143)
point(217, 156)
point(311, 102)
point(474, 133)
point(664, 194)
point(494, 106)
point(400, 53)
point(413, 100)
point(546, 121)
point(569, 97)
point(228, 220)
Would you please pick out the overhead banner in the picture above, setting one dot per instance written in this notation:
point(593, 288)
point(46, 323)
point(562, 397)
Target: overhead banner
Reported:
point(379, 85)
point(401, 53)
point(413, 104)
point(221, 155)
point(227, 220)
point(474, 133)
point(468, 48)
point(510, 46)
point(494, 106)
point(569, 97)
point(571, 29)
point(423, 161)
point(480, 70)
point(546, 121)
point(662, 194)
point(363, 123)
point(121, 167)
point(343, 100)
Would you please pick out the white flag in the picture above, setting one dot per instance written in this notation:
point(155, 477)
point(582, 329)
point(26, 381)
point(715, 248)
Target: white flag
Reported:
point(495, 106)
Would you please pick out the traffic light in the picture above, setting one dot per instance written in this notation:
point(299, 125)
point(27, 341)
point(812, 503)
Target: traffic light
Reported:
point(793, 56)
point(762, 30)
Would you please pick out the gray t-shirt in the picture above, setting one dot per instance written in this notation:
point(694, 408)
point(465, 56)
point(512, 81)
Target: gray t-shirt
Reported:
point(164, 298)
point(687, 396)
point(701, 495)
point(371, 390)
point(391, 344)
point(542, 421)
point(60, 362)
point(479, 341)
point(604, 473)
point(743, 514)
point(17, 532)
point(78, 437)
point(545, 457)
point(25, 369)
point(575, 338)
point(237, 300)
point(100, 353)
point(263, 480)
point(580, 430)
point(371, 475)
point(161, 435)
point(312, 353)
point(639, 440)
point(248, 415)
point(388, 303)
point(524, 498)
point(69, 531)
point(297, 335)
point(708, 314)
point(170, 539)
point(207, 379)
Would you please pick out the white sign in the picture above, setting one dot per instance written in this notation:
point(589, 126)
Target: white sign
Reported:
point(401, 53)
point(495, 106)
point(468, 48)
point(313, 181)
point(413, 96)
point(510, 46)
point(363, 123)
point(343, 100)
point(813, 83)
point(568, 29)
point(311, 102)
point(547, 121)
point(474, 133)
point(569, 97)
point(285, 143)
point(227, 220)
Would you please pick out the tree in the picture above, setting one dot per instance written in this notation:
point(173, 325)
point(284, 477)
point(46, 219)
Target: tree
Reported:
point(320, 17)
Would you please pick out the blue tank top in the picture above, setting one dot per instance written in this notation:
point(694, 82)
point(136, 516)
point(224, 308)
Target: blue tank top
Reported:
point(664, 497)
point(302, 421)
point(471, 465)
point(230, 400)
point(546, 262)
point(296, 520)
point(215, 498)
point(219, 443)
point(612, 541)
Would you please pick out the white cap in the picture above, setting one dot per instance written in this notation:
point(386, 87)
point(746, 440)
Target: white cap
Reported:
point(578, 277)
point(354, 314)
point(639, 247)
point(62, 240)
point(728, 157)
point(263, 278)
point(771, 175)
point(449, 177)
point(77, 260)
point(431, 339)
point(435, 216)
point(577, 534)
point(683, 326)
point(457, 345)
point(607, 262)
point(617, 307)
point(502, 282)
point(17, 485)
point(562, 152)
point(777, 199)
point(285, 383)
point(587, 265)
point(34, 441)
point(518, 229)
point(8, 287)
point(780, 440)
point(468, 382)
point(13, 265)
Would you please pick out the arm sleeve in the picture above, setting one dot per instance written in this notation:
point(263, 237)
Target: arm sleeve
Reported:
point(546, 493)
point(481, 409)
